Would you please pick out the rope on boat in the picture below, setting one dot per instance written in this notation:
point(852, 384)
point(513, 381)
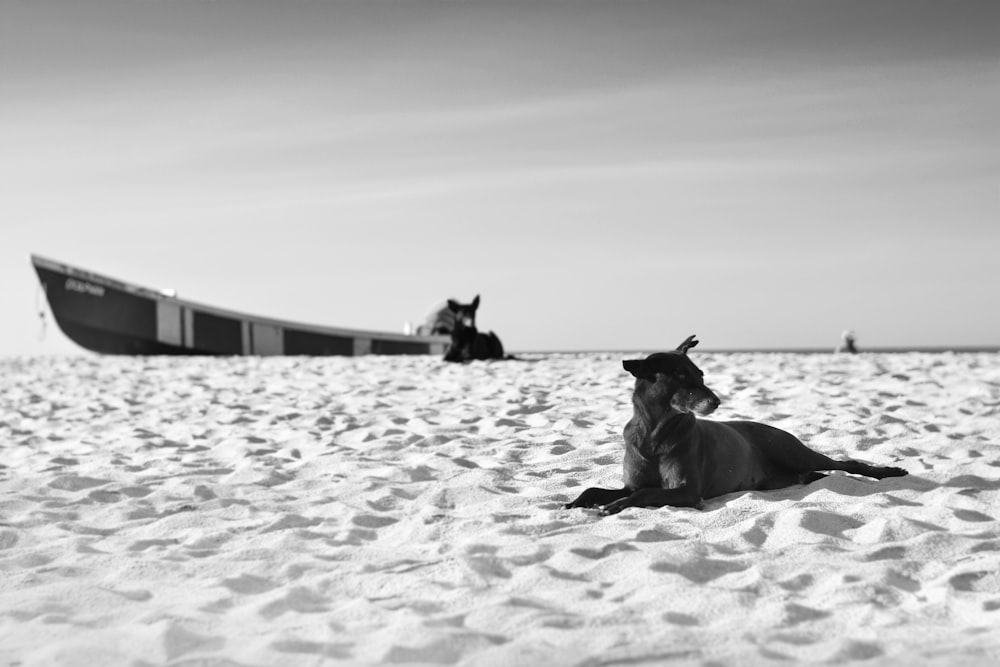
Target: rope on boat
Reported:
point(41, 311)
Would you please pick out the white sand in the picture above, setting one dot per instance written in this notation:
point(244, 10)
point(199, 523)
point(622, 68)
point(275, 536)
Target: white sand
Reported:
point(392, 510)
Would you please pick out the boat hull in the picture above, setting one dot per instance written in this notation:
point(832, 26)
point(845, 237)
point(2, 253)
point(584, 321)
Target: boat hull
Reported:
point(108, 316)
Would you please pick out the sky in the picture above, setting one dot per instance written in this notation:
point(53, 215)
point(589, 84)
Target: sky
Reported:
point(606, 175)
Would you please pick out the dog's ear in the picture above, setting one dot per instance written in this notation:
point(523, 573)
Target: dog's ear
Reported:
point(475, 302)
point(453, 305)
point(688, 343)
point(637, 367)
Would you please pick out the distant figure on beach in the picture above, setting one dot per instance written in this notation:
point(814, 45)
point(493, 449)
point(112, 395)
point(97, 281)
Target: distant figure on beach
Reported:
point(467, 343)
point(847, 343)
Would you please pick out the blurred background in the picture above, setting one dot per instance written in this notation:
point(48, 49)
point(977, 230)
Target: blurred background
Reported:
point(607, 175)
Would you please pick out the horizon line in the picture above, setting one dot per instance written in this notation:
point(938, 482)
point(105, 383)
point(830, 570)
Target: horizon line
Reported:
point(901, 349)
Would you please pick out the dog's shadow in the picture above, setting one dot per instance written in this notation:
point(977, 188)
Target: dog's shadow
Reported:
point(856, 486)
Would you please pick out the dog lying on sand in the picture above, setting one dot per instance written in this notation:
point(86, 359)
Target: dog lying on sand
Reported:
point(467, 342)
point(672, 458)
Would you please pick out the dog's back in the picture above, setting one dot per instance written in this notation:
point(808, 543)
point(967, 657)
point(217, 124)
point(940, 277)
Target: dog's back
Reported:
point(468, 344)
point(737, 461)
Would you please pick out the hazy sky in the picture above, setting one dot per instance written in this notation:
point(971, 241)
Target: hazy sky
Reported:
point(607, 175)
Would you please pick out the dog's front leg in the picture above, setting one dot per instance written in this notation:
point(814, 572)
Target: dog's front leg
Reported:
point(595, 497)
point(683, 496)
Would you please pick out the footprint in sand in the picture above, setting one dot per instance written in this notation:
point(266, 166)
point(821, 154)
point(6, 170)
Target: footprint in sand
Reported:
point(8, 538)
point(680, 619)
point(654, 535)
point(384, 504)
point(290, 521)
point(560, 447)
point(758, 533)
point(372, 521)
point(445, 651)
point(700, 571)
point(76, 482)
point(135, 595)
point(887, 553)
point(992, 545)
point(828, 523)
point(178, 641)
point(529, 410)
point(797, 613)
point(136, 491)
point(857, 651)
point(902, 582)
point(970, 582)
point(319, 649)
point(798, 583)
point(248, 584)
point(142, 545)
point(487, 566)
point(603, 552)
point(104, 497)
point(971, 516)
point(420, 473)
point(300, 600)
point(354, 537)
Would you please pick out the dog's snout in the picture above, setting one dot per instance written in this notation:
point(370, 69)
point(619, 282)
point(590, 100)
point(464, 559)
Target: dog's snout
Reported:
point(708, 402)
point(713, 400)
point(706, 407)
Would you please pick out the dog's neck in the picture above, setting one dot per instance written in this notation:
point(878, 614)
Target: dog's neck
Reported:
point(658, 426)
point(462, 339)
point(462, 333)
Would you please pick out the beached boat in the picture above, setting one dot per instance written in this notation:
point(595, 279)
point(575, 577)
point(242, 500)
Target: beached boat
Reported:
point(109, 316)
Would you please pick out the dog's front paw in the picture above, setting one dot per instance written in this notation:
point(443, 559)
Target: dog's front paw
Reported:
point(586, 500)
point(612, 508)
point(597, 498)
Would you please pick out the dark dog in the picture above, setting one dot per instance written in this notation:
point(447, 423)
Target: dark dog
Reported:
point(671, 458)
point(467, 343)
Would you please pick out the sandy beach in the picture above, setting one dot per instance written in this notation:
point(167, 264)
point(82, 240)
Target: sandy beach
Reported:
point(403, 511)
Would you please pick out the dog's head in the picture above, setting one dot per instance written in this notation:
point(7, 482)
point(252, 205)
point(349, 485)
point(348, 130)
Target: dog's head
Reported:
point(465, 314)
point(671, 379)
